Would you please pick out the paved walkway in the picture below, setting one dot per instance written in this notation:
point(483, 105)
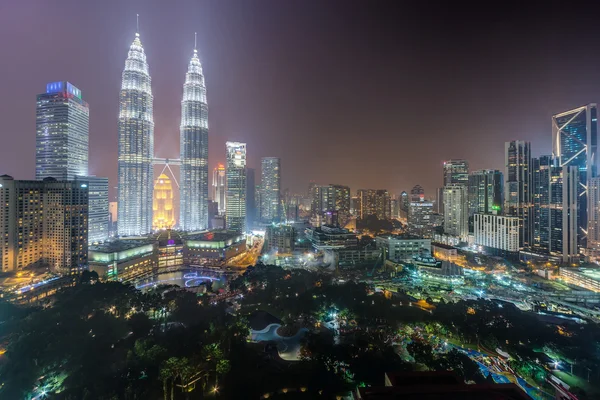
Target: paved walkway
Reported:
point(288, 347)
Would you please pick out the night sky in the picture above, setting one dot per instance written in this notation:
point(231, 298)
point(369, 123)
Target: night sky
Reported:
point(372, 95)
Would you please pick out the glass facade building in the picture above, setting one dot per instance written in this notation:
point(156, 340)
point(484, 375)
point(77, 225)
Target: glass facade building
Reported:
point(194, 150)
point(98, 219)
point(270, 183)
point(235, 172)
point(456, 172)
point(518, 187)
point(62, 133)
point(486, 192)
point(136, 145)
point(574, 144)
point(219, 188)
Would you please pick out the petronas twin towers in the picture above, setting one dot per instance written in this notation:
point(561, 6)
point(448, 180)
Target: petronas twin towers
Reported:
point(136, 147)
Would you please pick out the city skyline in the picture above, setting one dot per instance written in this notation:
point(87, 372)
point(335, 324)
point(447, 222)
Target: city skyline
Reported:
point(560, 90)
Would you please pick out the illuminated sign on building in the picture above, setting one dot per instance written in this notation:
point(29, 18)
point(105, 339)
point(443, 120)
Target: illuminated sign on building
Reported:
point(61, 87)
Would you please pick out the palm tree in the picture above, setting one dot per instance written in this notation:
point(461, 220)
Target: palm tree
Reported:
point(165, 375)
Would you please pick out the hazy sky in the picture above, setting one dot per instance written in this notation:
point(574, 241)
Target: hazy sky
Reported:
point(372, 94)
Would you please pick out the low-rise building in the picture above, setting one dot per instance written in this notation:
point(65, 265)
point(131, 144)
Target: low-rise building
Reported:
point(331, 238)
point(170, 249)
point(587, 278)
point(213, 246)
point(498, 234)
point(445, 252)
point(123, 260)
point(402, 247)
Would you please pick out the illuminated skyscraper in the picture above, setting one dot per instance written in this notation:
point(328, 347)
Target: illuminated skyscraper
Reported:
point(219, 188)
point(235, 202)
point(270, 183)
point(417, 193)
point(136, 145)
point(375, 202)
point(518, 195)
point(419, 218)
point(98, 221)
point(43, 223)
point(328, 199)
point(456, 211)
point(486, 191)
point(575, 144)
point(456, 172)
point(62, 133)
point(162, 204)
point(194, 150)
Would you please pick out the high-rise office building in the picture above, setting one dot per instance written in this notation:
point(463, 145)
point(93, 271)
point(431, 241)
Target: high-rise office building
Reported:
point(193, 209)
point(219, 188)
point(574, 144)
point(112, 213)
point(404, 200)
point(555, 211)
point(593, 243)
point(456, 211)
point(518, 185)
point(252, 199)
point(98, 212)
point(44, 223)
point(571, 182)
point(163, 213)
point(420, 222)
point(486, 192)
point(62, 133)
point(545, 175)
point(270, 206)
point(136, 145)
point(417, 193)
point(235, 202)
point(594, 214)
point(395, 206)
point(439, 201)
point(456, 172)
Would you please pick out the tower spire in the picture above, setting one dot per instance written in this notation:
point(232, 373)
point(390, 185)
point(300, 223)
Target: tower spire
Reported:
point(195, 40)
point(137, 24)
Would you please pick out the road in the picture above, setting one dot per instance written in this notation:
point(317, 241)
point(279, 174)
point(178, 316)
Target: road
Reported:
point(249, 257)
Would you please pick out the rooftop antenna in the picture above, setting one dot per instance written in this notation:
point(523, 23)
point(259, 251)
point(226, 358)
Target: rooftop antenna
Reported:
point(195, 39)
point(137, 24)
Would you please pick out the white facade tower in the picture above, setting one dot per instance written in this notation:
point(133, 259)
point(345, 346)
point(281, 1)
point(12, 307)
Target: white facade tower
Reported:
point(136, 145)
point(194, 150)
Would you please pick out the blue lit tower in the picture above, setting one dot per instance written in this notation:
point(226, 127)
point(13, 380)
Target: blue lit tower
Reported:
point(62, 133)
point(194, 150)
point(136, 145)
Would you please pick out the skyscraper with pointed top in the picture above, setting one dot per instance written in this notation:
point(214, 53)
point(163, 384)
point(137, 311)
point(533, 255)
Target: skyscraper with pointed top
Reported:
point(194, 149)
point(136, 145)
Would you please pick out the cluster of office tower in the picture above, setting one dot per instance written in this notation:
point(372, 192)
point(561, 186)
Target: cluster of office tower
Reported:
point(540, 206)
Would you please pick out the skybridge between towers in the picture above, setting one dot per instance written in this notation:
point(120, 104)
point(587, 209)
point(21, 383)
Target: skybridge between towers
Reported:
point(167, 162)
